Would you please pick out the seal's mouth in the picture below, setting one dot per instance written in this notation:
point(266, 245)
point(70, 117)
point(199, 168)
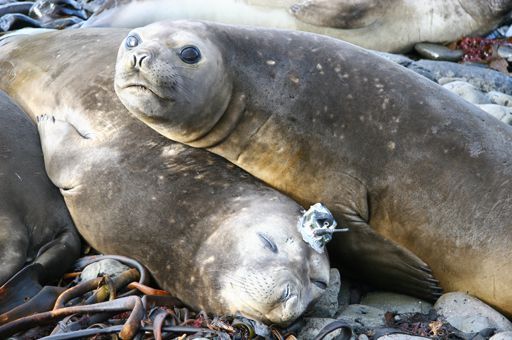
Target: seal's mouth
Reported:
point(142, 89)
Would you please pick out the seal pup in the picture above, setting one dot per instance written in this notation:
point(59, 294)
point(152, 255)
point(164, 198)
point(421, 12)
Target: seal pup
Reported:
point(405, 164)
point(35, 226)
point(385, 25)
point(214, 236)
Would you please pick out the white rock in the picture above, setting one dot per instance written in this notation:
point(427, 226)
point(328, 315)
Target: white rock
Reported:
point(502, 336)
point(503, 113)
point(398, 303)
point(327, 305)
point(470, 315)
point(103, 267)
point(467, 91)
point(499, 98)
point(446, 80)
point(400, 337)
point(313, 326)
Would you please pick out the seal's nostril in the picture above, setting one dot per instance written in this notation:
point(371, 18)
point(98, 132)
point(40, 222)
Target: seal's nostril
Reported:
point(134, 61)
point(141, 59)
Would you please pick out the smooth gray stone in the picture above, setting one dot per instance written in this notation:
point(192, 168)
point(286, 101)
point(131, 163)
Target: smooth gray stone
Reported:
point(483, 78)
point(503, 113)
point(468, 92)
point(470, 315)
point(505, 52)
point(502, 336)
point(401, 337)
point(500, 98)
point(397, 303)
point(438, 52)
point(360, 316)
point(103, 267)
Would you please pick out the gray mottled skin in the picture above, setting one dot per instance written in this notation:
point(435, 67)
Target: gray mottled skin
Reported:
point(33, 216)
point(384, 25)
point(406, 165)
point(191, 217)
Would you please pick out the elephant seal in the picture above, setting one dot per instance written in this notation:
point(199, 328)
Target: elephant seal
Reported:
point(394, 156)
point(35, 226)
point(367, 23)
point(214, 236)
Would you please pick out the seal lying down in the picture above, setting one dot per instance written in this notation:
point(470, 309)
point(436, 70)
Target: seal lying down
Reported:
point(385, 25)
point(35, 226)
point(419, 175)
point(208, 232)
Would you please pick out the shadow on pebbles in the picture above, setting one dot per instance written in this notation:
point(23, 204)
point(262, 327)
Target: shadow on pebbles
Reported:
point(390, 316)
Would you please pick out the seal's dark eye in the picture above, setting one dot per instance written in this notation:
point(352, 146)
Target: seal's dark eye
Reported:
point(190, 55)
point(132, 41)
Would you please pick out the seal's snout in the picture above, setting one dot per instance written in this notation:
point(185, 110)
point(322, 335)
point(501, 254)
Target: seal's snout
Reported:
point(138, 58)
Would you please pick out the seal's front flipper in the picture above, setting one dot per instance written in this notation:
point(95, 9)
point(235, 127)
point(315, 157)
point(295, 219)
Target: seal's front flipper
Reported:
point(383, 263)
point(379, 261)
point(21, 287)
point(344, 14)
point(61, 143)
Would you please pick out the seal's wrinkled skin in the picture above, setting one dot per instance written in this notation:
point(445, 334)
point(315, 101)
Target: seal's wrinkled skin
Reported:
point(35, 226)
point(407, 166)
point(208, 232)
point(385, 25)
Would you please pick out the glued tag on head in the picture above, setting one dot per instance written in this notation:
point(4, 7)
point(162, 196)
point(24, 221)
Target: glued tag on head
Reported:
point(317, 225)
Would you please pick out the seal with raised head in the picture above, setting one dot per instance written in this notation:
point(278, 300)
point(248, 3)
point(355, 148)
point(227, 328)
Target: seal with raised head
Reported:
point(35, 226)
point(385, 25)
point(208, 232)
point(406, 165)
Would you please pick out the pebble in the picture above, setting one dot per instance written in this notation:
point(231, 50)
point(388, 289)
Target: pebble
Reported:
point(327, 305)
point(396, 303)
point(103, 267)
point(503, 113)
point(470, 315)
point(438, 52)
point(362, 317)
point(400, 337)
point(313, 326)
point(499, 98)
point(502, 336)
point(482, 78)
point(505, 52)
point(467, 91)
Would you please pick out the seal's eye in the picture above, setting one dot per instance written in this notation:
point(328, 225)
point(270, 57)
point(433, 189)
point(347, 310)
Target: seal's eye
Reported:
point(320, 284)
point(132, 41)
point(286, 294)
point(190, 55)
point(268, 243)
